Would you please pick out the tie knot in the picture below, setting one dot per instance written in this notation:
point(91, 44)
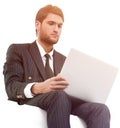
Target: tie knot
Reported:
point(47, 56)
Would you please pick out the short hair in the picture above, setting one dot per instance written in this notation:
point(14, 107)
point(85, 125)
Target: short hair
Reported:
point(44, 11)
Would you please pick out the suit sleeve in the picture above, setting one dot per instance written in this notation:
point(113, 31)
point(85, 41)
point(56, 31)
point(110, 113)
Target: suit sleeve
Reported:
point(14, 74)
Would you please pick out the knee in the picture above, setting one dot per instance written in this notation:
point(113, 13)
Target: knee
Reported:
point(105, 110)
point(60, 95)
point(61, 98)
point(102, 110)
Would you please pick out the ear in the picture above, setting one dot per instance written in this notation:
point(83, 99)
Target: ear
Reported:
point(37, 24)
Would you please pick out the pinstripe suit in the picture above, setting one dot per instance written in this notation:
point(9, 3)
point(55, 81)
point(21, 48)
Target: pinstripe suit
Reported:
point(24, 65)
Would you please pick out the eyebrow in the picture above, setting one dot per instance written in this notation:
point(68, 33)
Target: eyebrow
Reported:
point(54, 22)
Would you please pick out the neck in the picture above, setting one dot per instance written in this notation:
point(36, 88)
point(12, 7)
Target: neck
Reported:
point(47, 47)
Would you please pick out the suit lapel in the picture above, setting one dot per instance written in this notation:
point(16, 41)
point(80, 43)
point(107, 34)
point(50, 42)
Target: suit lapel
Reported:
point(58, 62)
point(37, 59)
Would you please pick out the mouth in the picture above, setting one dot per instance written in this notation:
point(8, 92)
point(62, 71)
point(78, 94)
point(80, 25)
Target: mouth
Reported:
point(56, 36)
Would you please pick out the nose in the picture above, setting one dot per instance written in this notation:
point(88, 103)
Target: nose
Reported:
point(56, 28)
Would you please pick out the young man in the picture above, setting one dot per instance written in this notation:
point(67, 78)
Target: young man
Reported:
point(29, 80)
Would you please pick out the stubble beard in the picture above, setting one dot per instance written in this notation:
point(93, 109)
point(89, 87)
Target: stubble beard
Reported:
point(48, 41)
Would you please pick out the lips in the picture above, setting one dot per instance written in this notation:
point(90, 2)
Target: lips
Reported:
point(55, 35)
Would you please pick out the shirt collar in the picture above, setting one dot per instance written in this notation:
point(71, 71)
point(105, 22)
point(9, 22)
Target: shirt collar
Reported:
point(42, 51)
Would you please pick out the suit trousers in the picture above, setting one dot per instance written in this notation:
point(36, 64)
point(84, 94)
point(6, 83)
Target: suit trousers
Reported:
point(59, 106)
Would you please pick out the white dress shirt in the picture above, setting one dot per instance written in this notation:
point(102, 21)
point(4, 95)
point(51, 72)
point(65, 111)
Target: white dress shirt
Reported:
point(27, 90)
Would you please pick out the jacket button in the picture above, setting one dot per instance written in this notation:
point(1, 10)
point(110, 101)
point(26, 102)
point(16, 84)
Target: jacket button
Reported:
point(19, 96)
point(29, 78)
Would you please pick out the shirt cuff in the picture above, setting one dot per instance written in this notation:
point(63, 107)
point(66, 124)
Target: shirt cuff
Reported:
point(27, 91)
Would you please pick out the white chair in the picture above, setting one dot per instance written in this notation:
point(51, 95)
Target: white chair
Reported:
point(13, 115)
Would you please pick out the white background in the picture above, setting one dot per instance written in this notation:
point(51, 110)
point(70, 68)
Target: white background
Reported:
point(91, 26)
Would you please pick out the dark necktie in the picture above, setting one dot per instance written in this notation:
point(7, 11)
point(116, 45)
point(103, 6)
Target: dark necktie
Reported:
point(48, 70)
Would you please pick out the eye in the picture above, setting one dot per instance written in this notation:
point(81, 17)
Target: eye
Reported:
point(59, 25)
point(51, 23)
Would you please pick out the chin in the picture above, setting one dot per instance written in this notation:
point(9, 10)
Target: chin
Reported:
point(54, 41)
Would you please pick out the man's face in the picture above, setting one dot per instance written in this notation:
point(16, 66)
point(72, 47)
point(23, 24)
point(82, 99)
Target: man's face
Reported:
point(50, 29)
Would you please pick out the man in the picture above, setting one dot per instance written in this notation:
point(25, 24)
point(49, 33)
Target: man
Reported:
point(28, 81)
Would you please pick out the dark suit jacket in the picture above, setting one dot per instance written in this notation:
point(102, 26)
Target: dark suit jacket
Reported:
point(24, 65)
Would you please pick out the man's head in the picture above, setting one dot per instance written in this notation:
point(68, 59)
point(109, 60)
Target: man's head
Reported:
point(43, 12)
point(49, 21)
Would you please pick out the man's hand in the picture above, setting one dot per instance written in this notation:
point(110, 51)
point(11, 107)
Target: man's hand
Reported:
point(52, 84)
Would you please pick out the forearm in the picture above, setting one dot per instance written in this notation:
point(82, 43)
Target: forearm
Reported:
point(14, 74)
point(15, 90)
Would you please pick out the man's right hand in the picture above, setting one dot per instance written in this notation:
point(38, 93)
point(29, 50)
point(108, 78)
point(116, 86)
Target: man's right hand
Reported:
point(51, 84)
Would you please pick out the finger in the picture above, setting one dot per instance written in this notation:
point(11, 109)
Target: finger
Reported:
point(59, 78)
point(62, 83)
point(58, 87)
